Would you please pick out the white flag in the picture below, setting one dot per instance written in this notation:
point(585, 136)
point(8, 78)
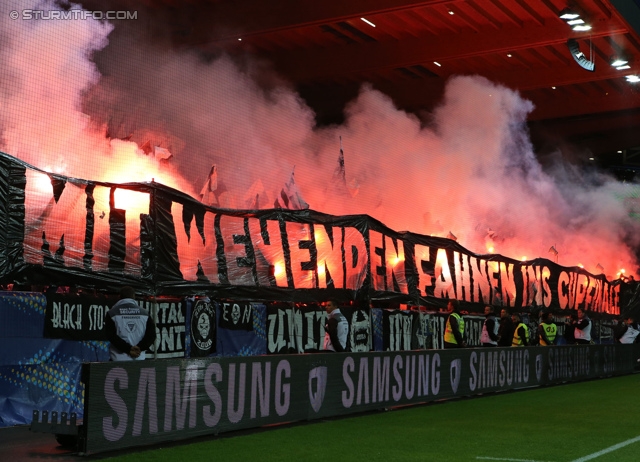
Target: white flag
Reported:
point(161, 153)
point(256, 196)
point(207, 195)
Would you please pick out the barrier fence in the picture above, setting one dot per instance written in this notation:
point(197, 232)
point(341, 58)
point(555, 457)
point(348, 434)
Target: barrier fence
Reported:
point(138, 403)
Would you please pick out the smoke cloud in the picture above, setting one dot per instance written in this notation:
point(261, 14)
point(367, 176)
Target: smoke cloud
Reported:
point(82, 99)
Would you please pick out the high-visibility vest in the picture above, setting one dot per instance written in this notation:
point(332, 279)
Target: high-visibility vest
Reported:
point(551, 330)
point(448, 332)
point(517, 341)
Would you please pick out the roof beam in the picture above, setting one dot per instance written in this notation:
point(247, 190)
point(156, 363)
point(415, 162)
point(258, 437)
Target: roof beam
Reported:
point(336, 61)
point(251, 17)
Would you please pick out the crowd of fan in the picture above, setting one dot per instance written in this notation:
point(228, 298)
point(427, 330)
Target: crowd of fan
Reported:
point(510, 330)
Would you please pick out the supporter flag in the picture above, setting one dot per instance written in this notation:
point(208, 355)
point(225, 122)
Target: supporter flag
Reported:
point(255, 196)
point(354, 187)
point(207, 195)
point(290, 196)
point(146, 147)
point(161, 153)
point(340, 173)
point(350, 188)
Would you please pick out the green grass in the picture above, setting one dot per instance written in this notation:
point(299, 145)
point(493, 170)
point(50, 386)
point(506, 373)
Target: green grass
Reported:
point(556, 424)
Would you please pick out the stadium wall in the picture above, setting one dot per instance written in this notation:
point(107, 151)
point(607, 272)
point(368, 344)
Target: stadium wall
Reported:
point(139, 403)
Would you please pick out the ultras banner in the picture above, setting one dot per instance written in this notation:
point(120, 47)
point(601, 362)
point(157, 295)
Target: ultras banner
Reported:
point(170, 318)
point(138, 403)
point(73, 317)
point(66, 230)
point(292, 329)
point(76, 317)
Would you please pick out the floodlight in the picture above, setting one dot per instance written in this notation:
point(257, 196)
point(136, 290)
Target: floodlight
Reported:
point(568, 14)
point(620, 62)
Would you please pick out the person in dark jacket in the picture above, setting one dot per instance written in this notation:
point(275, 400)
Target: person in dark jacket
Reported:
point(628, 331)
point(490, 327)
point(505, 331)
point(336, 328)
point(581, 328)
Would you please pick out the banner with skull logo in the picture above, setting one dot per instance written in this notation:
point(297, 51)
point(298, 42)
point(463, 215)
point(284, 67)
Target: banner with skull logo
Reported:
point(235, 315)
point(360, 336)
point(203, 328)
point(241, 328)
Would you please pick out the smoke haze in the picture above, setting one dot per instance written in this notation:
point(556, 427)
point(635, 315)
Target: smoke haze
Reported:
point(472, 172)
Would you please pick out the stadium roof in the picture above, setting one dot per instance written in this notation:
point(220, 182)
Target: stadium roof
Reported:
point(408, 48)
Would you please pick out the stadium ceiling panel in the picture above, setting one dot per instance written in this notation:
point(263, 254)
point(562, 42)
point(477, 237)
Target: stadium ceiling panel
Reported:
point(408, 49)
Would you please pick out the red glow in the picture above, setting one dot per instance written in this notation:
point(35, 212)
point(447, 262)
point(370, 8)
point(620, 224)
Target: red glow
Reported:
point(408, 176)
point(133, 202)
point(278, 269)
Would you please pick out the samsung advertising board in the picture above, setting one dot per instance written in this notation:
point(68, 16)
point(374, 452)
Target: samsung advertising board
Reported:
point(143, 402)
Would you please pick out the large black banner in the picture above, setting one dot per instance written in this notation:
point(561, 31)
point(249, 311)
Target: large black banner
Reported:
point(138, 403)
point(167, 243)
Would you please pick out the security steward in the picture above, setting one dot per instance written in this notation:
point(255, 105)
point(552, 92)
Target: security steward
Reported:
point(547, 330)
point(454, 330)
point(521, 332)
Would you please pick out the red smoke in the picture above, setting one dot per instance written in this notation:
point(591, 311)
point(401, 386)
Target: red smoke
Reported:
point(471, 173)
